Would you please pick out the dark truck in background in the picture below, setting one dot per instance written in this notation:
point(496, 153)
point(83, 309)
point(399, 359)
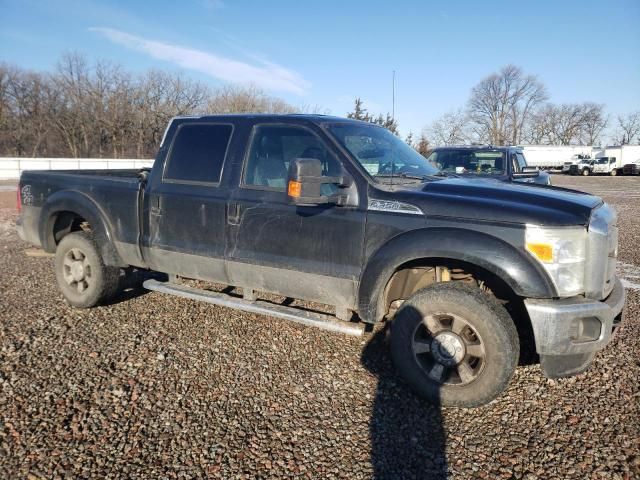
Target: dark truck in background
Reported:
point(343, 213)
point(506, 163)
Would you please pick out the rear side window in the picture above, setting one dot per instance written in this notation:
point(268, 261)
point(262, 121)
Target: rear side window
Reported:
point(197, 153)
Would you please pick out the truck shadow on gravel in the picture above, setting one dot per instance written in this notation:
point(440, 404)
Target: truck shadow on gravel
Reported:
point(406, 433)
point(131, 285)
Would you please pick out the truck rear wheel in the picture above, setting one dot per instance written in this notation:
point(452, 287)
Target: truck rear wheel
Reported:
point(83, 278)
point(455, 345)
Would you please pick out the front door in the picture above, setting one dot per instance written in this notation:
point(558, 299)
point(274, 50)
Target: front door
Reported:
point(312, 253)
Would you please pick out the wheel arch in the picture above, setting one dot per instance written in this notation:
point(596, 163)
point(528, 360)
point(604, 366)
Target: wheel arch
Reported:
point(432, 245)
point(65, 207)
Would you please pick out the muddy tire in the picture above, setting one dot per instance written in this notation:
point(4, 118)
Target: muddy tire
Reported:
point(83, 278)
point(455, 345)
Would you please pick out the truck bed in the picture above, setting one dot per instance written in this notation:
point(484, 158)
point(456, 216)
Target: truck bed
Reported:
point(111, 195)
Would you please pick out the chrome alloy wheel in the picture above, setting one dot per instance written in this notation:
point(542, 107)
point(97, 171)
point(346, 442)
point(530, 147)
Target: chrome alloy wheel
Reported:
point(76, 270)
point(448, 349)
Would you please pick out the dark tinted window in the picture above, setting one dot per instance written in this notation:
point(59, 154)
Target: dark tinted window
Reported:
point(198, 152)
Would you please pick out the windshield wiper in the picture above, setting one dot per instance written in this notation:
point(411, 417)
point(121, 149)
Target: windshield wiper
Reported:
point(399, 175)
point(442, 174)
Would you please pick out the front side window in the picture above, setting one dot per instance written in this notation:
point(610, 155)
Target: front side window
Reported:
point(522, 162)
point(273, 147)
point(197, 153)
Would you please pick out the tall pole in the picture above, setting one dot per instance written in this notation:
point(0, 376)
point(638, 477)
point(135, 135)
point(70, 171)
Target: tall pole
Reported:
point(393, 95)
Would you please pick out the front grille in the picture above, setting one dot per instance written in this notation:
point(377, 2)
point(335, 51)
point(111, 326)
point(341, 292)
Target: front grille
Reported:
point(602, 252)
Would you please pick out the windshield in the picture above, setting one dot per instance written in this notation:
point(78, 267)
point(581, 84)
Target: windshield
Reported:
point(380, 152)
point(479, 162)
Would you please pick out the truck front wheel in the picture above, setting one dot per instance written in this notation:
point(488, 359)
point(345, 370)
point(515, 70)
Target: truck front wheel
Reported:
point(455, 345)
point(613, 172)
point(585, 172)
point(83, 278)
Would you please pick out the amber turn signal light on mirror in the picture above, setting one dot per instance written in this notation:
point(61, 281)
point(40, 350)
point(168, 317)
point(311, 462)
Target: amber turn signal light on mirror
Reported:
point(294, 189)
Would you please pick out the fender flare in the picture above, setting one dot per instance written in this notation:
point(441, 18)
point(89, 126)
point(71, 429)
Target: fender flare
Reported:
point(80, 204)
point(520, 273)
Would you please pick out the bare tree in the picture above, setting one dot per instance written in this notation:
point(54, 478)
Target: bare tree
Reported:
point(567, 124)
point(594, 123)
point(502, 103)
point(451, 128)
point(246, 99)
point(628, 128)
point(84, 109)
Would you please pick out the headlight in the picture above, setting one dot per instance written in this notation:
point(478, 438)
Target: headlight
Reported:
point(562, 253)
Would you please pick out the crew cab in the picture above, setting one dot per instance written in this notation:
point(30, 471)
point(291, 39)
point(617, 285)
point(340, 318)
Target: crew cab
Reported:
point(334, 211)
point(507, 163)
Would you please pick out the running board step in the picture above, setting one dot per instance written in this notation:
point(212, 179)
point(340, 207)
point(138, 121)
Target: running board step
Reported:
point(312, 319)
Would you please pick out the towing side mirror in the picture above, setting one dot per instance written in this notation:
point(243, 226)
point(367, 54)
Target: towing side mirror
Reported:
point(305, 180)
point(527, 172)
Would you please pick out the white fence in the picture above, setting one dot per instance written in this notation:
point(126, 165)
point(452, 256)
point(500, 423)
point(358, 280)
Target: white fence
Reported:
point(12, 167)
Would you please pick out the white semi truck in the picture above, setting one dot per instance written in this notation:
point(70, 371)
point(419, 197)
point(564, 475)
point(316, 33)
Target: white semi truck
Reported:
point(554, 157)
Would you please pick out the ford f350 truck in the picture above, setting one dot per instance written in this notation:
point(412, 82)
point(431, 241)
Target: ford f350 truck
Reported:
point(461, 266)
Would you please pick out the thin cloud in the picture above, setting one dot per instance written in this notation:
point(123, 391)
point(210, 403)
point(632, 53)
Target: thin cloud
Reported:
point(263, 73)
point(212, 4)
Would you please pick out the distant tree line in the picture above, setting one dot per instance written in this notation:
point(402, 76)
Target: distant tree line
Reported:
point(101, 110)
point(84, 109)
point(511, 107)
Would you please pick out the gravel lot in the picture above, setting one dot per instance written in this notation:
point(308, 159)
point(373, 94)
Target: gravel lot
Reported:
point(159, 387)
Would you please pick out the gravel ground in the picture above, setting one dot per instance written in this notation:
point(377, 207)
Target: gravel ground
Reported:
point(158, 387)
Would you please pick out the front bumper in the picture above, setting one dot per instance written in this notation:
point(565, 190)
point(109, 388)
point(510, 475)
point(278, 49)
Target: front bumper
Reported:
point(558, 327)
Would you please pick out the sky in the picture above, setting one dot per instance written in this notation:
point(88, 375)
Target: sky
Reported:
point(326, 53)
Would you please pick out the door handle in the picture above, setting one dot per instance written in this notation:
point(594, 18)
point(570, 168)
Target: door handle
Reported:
point(233, 213)
point(155, 208)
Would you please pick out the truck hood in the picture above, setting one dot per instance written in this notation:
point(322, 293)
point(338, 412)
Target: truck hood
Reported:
point(511, 202)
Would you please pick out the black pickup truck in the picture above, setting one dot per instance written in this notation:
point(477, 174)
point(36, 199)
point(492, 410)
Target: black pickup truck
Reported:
point(333, 211)
point(506, 163)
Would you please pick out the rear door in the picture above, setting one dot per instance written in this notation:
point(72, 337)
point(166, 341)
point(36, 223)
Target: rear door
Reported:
point(313, 253)
point(187, 201)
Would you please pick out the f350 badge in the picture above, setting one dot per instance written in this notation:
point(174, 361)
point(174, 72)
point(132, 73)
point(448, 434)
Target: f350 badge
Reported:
point(27, 197)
